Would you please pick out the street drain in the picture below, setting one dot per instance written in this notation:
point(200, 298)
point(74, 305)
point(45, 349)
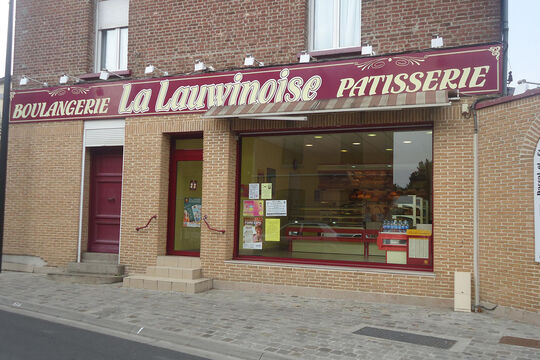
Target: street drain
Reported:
point(511, 340)
point(406, 337)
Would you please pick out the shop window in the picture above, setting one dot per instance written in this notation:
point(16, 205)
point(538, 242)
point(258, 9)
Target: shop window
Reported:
point(325, 198)
point(334, 24)
point(112, 35)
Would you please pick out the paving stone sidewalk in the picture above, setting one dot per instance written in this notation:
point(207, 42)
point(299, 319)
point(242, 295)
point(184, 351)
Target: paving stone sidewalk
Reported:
point(282, 325)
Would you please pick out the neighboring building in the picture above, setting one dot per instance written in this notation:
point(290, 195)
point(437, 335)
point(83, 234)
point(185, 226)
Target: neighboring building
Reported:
point(314, 171)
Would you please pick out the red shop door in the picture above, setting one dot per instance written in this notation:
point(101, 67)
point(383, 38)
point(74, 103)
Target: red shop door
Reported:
point(105, 200)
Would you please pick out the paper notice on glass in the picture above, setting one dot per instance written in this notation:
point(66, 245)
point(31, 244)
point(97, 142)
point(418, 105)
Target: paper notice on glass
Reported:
point(276, 207)
point(271, 232)
point(253, 208)
point(252, 233)
point(254, 191)
point(266, 190)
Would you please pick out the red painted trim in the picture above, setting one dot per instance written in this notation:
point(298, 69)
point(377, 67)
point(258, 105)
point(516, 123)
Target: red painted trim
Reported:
point(506, 99)
point(176, 155)
point(237, 199)
point(349, 51)
point(337, 263)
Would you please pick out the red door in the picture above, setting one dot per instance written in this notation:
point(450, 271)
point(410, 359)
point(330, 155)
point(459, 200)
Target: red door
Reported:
point(105, 200)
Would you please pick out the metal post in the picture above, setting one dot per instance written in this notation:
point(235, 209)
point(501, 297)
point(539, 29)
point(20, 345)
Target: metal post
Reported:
point(5, 128)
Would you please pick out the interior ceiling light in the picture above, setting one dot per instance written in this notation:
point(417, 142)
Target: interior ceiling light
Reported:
point(372, 134)
point(151, 68)
point(309, 145)
point(344, 150)
point(356, 143)
point(407, 141)
point(250, 60)
point(317, 137)
point(388, 149)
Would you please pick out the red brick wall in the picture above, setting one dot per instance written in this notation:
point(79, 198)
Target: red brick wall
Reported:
point(58, 36)
point(507, 138)
point(53, 37)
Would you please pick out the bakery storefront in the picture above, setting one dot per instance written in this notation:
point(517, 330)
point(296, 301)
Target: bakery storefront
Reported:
point(332, 163)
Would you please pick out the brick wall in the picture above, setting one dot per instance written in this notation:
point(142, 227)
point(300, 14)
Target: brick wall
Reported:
point(507, 138)
point(43, 190)
point(55, 36)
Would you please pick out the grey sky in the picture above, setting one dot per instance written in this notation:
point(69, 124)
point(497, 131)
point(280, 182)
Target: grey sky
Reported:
point(524, 48)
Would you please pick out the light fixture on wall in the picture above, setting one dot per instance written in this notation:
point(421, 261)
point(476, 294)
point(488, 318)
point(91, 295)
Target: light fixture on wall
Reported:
point(65, 78)
point(250, 60)
point(25, 79)
point(105, 74)
point(367, 50)
point(436, 41)
point(151, 68)
point(199, 66)
point(305, 57)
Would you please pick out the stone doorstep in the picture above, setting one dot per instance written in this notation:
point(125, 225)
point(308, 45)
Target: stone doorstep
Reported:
point(100, 257)
point(167, 284)
point(174, 272)
point(179, 261)
point(80, 278)
point(95, 268)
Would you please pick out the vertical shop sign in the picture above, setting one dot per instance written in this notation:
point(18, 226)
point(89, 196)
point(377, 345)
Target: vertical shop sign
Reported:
point(536, 173)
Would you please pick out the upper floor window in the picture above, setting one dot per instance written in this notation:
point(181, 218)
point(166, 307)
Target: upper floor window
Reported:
point(334, 24)
point(112, 35)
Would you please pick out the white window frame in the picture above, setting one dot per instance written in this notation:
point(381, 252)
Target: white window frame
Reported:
point(98, 66)
point(336, 20)
point(99, 41)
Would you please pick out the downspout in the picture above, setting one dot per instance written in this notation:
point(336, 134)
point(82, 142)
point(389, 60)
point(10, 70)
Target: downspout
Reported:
point(476, 275)
point(504, 35)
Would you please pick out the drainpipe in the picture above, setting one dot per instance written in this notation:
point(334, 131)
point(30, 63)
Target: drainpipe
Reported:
point(504, 35)
point(475, 210)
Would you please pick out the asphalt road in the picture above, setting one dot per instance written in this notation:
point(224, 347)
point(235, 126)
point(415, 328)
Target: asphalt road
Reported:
point(26, 338)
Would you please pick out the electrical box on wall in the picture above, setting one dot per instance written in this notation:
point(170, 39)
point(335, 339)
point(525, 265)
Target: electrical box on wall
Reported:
point(462, 291)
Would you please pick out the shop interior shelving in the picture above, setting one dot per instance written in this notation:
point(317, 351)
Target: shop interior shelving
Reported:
point(417, 206)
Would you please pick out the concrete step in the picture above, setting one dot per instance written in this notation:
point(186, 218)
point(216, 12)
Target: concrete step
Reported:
point(85, 278)
point(100, 257)
point(167, 284)
point(95, 268)
point(174, 272)
point(179, 261)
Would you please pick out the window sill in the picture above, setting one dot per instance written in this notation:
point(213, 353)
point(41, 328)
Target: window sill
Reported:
point(333, 268)
point(95, 76)
point(335, 53)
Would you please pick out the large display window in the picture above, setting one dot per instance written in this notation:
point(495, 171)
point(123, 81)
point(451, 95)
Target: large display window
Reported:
point(354, 198)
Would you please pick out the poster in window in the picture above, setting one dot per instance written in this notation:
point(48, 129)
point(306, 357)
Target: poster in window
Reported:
point(276, 207)
point(266, 190)
point(272, 228)
point(254, 191)
point(192, 212)
point(252, 233)
point(253, 208)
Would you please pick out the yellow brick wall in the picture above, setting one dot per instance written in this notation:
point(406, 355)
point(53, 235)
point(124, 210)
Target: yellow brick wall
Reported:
point(43, 184)
point(508, 134)
point(43, 190)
